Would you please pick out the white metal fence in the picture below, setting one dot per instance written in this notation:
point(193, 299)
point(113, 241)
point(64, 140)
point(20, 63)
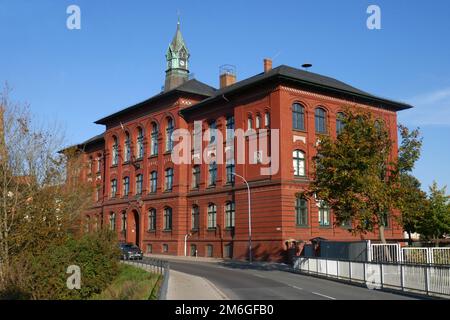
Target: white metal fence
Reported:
point(425, 279)
point(394, 253)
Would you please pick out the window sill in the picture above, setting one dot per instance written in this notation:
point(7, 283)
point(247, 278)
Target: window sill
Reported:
point(325, 227)
point(167, 230)
point(195, 229)
point(114, 166)
point(299, 130)
point(303, 226)
point(153, 156)
point(211, 229)
point(229, 228)
point(151, 231)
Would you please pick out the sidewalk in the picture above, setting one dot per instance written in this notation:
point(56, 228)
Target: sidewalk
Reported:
point(183, 258)
point(183, 286)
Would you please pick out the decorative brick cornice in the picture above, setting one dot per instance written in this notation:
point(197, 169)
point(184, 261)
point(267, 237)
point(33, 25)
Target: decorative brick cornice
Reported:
point(331, 99)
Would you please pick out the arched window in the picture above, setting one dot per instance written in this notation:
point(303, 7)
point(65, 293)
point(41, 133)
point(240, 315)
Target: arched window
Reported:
point(152, 220)
point(140, 144)
point(168, 218)
point(169, 132)
point(124, 222)
point(127, 147)
point(112, 221)
point(298, 116)
point(230, 128)
point(154, 140)
point(301, 212)
point(195, 217)
point(258, 121)
point(212, 215)
point(229, 214)
point(249, 122)
point(90, 165)
point(115, 152)
point(87, 224)
point(267, 119)
point(113, 188)
point(126, 186)
point(139, 183)
point(230, 168)
point(324, 214)
point(212, 132)
point(339, 122)
point(212, 173)
point(153, 181)
point(169, 179)
point(299, 163)
point(321, 120)
point(196, 177)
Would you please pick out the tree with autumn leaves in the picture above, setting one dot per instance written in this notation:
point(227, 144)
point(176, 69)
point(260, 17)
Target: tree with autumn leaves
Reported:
point(360, 178)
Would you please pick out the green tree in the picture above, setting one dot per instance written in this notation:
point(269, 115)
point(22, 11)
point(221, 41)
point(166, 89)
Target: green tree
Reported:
point(413, 204)
point(436, 222)
point(357, 174)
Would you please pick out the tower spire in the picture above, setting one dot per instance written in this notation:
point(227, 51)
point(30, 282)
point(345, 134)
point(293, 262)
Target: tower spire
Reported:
point(177, 58)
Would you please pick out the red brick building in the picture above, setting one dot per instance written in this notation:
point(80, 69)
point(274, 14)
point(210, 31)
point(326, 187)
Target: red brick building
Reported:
point(162, 206)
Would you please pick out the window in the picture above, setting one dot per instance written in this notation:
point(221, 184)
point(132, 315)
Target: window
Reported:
point(149, 248)
point(212, 173)
point(228, 251)
point(229, 215)
point(298, 116)
point(209, 250)
point(90, 166)
point(115, 152)
point(140, 144)
point(321, 120)
point(153, 181)
point(139, 182)
point(99, 164)
point(113, 188)
point(267, 119)
point(98, 194)
point(127, 147)
point(124, 222)
point(193, 250)
point(212, 214)
point(230, 128)
point(165, 248)
point(168, 219)
point(230, 168)
point(195, 177)
point(126, 186)
point(249, 122)
point(339, 122)
point(324, 214)
point(212, 132)
point(112, 221)
point(152, 220)
point(169, 179)
point(258, 121)
point(154, 140)
point(301, 211)
point(299, 163)
point(87, 224)
point(169, 132)
point(195, 218)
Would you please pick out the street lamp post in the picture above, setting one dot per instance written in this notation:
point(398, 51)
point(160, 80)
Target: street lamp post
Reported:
point(249, 217)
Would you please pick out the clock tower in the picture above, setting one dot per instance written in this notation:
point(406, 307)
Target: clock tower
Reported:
point(177, 57)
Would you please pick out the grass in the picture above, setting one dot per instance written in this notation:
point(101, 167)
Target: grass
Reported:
point(132, 284)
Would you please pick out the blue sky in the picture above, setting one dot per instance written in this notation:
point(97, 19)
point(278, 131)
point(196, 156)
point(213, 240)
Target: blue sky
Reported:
point(117, 58)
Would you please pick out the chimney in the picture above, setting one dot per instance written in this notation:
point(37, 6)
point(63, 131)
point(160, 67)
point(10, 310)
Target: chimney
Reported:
point(227, 75)
point(267, 65)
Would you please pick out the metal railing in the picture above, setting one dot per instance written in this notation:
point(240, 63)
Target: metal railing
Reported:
point(156, 266)
point(433, 280)
point(414, 255)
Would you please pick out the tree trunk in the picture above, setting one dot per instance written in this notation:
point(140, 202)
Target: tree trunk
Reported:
point(409, 239)
point(381, 231)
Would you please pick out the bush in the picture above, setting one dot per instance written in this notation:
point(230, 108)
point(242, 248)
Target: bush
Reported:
point(44, 274)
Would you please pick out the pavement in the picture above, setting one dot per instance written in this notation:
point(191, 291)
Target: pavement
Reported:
point(183, 286)
point(207, 279)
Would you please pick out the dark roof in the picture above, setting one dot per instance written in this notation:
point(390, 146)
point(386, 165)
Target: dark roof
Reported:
point(303, 78)
point(192, 86)
point(83, 145)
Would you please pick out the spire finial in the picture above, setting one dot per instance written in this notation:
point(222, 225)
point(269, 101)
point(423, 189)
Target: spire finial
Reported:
point(178, 18)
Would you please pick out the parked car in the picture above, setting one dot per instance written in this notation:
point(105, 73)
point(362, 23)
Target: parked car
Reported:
point(130, 252)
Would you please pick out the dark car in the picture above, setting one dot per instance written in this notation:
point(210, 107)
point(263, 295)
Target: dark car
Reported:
point(130, 252)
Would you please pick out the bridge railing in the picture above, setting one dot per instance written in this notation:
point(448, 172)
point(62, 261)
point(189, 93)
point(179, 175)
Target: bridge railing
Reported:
point(427, 279)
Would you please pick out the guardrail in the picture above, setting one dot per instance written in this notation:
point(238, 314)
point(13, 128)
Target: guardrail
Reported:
point(432, 280)
point(157, 266)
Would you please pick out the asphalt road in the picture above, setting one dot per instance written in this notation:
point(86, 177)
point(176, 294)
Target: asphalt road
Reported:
point(242, 282)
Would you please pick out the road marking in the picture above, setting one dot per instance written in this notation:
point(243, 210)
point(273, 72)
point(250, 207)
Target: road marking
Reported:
point(259, 276)
point(322, 295)
point(298, 288)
